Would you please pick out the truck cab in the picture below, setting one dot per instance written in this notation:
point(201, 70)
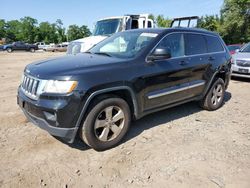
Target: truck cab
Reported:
point(108, 26)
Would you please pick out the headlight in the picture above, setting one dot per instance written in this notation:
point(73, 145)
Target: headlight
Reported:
point(62, 87)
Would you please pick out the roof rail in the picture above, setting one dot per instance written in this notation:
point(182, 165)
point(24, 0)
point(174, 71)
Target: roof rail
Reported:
point(177, 22)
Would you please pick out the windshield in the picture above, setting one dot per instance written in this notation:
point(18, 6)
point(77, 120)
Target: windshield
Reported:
point(246, 48)
point(124, 44)
point(107, 27)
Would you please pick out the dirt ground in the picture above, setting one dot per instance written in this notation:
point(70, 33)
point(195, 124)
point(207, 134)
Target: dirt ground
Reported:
point(179, 147)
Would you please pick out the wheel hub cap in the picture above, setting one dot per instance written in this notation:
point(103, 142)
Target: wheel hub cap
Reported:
point(217, 94)
point(109, 123)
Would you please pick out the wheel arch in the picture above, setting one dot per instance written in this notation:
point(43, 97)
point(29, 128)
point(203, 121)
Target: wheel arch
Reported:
point(125, 92)
point(218, 74)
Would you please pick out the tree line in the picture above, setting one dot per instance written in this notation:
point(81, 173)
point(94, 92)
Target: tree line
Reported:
point(27, 29)
point(233, 24)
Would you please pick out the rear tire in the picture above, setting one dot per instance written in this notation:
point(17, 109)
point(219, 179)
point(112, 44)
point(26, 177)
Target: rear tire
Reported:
point(32, 50)
point(9, 50)
point(106, 123)
point(215, 96)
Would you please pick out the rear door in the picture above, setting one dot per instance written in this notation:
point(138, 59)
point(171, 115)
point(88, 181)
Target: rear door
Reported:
point(166, 81)
point(200, 64)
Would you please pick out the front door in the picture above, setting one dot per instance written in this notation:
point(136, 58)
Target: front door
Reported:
point(167, 80)
point(19, 46)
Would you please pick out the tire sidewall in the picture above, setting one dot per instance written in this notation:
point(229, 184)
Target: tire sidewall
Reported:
point(32, 50)
point(88, 132)
point(9, 50)
point(210, 93)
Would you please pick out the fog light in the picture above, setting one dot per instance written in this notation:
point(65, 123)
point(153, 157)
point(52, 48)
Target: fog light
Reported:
point(50, 116)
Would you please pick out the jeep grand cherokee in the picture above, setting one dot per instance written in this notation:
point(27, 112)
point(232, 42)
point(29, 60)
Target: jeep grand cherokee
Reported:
point(125, 77)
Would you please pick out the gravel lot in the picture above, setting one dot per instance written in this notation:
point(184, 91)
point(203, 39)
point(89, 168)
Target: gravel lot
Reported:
point(179, 147)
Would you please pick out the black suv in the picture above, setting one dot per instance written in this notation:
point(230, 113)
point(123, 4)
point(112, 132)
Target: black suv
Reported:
point(125, 77)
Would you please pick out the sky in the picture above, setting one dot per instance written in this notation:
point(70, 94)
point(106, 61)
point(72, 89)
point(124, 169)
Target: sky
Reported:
point(83, 12)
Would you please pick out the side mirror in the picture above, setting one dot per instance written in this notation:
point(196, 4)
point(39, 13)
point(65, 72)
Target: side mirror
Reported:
point(159, 54)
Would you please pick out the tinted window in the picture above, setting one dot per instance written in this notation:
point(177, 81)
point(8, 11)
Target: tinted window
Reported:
point(174, 43)
point(214, 44)
point(195, 44)
point(149, 24)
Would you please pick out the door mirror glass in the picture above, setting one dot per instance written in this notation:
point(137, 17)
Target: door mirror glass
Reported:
point(159, 54)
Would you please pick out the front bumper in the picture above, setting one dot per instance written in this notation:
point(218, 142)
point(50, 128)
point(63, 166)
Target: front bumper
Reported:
point(58, 116)
point(239, 71)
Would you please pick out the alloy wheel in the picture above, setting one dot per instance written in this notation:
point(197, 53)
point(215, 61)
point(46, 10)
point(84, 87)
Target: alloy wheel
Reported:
point(109, 123)
point(217, 94)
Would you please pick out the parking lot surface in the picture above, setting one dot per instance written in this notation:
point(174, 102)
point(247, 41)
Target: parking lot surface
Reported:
point(184, 146)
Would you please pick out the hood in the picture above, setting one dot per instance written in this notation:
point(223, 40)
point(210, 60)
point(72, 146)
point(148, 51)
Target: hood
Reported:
point(69, 65)
point(242, 56)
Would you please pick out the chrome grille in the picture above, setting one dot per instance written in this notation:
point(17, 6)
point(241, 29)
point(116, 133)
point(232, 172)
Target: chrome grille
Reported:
point(243, 63)
point(30, 86)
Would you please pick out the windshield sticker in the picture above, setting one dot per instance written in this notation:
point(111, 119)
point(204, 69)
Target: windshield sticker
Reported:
point(149, 34)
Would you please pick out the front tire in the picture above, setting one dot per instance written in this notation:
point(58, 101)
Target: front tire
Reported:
point(9, 50)
point(106, 123)
point(215, 96)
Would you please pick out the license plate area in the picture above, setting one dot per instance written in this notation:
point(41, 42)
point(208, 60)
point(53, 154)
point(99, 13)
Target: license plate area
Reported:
point(243, 71)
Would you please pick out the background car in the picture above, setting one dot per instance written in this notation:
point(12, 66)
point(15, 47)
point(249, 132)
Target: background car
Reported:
point(241, 62)
point(20, 46)
point(57, 48)
point(1, 47)
point(233, 47)
point(42, 46)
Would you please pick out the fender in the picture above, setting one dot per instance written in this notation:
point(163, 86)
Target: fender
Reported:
point(211, 81)
point(103, 91)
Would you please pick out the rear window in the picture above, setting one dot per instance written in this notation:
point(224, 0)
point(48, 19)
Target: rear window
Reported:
point(195, 44)
point(214, 44)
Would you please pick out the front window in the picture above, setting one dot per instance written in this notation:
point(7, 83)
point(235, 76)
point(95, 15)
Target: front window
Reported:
point(124, 44)
point(174, 44)
point(107, 27)
point(246, 48)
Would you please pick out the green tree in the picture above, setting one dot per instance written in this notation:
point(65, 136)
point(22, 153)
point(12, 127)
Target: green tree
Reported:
point(28, 29)
point(211, 23)
point(163, 22)
point(47, 33)
point(13, 31)
point(85, 31)
point(75, 32)
point(60, 31)
point(2, 29)
point(235, 17)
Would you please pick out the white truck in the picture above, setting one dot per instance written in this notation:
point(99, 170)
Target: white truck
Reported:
point(108, 26)
point(42, 46)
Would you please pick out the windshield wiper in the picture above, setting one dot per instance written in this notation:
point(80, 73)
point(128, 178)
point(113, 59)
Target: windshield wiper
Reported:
point(88, 52)
point(102, 53)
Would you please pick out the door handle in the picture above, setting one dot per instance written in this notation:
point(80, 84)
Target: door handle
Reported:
point(183, 62)
point(211, 58)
